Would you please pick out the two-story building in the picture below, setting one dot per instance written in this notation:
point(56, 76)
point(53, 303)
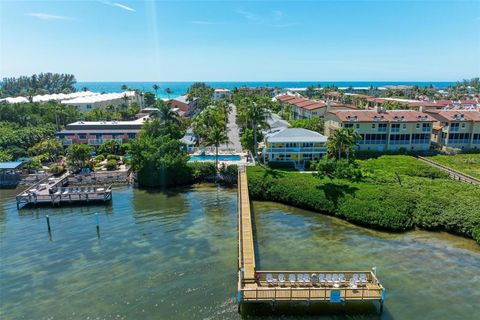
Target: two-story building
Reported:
point(219, 94)
point(295, 146)
point(183, 106)
point(459, 129)
point(95, 133)
point(384, 130)
point(303, 108)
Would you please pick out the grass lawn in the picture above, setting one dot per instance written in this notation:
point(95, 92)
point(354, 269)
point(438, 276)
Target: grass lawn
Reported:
point(396, 193)
point(466, 163)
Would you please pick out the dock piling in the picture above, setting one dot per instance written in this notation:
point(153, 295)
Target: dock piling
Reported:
point(98, 224)
point(48, 223)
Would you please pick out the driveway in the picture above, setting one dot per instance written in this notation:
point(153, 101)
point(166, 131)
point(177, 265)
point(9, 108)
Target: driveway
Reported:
point(233, 132)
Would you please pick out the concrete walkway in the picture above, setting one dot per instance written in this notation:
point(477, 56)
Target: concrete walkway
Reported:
point(233, 132)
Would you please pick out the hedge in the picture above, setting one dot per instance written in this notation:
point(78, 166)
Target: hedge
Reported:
point(397, 194)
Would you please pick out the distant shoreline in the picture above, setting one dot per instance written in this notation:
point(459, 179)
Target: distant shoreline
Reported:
point(179, 88)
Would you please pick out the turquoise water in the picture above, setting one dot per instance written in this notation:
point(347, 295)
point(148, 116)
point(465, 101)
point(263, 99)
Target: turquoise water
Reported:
point(174, 256)
point(212, 158)
point(180, 88)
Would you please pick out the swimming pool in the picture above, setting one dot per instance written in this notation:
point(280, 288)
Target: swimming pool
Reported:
point(212, 158)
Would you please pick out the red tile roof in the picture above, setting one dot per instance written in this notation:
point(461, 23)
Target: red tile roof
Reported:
point(388, 116)
point(286, 97)
point(455, 115)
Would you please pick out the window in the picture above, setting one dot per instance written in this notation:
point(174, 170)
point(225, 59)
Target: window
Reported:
point(420, 138)
point(348, 125)
point(82, 136)
point(418, 125)
point(373, 125)
point(382, 127)
point(395, 127)
point(463, 125)
point(404, 126)
point(357, 125)
point(459, 137)
point(454, 126)
point(399, 138)
point(131, 136)
point(426, 127)
point(375, 139)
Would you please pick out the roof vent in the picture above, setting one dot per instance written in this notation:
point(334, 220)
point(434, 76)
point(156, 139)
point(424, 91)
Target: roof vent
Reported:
point(352, 118)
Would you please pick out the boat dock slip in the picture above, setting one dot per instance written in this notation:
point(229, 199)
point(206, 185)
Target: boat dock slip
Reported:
point(53, 190)
point(332, 286)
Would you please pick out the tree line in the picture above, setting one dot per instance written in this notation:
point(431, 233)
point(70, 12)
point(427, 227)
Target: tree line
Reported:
point(43, 83)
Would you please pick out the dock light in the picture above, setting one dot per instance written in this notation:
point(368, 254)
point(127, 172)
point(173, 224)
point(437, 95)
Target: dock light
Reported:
point(374, 269)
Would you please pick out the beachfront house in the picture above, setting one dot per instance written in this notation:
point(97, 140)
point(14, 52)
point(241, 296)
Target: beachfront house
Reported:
point(303, 108)
point(382, 130)
point(294, 146)
point(183, 106)
point(457, 129)
point(219, 94)
point(102, 101)
point(95, 133)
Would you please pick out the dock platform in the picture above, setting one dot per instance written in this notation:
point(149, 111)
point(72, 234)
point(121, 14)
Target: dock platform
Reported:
point(54, 191)
point(266, 286)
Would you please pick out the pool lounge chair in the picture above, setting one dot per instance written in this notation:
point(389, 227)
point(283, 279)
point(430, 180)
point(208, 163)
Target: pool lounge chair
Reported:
point(363, 279)
point(321, 279)
point(300, 280)
point(65, 192)
point(336, 280)
point(291, 278)
point(328, 279)
point(306, 279)
point(281, 279)
point(270, 279)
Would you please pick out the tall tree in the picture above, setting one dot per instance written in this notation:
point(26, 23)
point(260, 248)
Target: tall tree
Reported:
point(155, 88)
point(215, 137)
point(168, 91)
point(254, 113)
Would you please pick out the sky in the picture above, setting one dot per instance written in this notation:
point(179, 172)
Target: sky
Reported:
point(120, 40)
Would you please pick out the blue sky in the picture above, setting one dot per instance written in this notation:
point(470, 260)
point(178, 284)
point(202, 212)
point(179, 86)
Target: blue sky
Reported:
point(242, 40)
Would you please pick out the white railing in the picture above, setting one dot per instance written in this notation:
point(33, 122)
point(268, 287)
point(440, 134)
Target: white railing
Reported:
point(299, 150)
point(96, 142)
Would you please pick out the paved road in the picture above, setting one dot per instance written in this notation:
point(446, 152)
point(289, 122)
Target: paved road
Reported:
point(233, 132)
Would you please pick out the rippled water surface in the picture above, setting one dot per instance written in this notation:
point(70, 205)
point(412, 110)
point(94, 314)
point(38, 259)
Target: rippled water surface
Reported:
point(174, 256)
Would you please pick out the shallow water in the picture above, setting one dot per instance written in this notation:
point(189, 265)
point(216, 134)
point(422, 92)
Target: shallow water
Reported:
point(174, 256)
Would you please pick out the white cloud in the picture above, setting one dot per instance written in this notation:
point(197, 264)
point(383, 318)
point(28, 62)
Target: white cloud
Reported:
point(118, 5)
point(47, 16)
point(247, 15)
point(122, 6)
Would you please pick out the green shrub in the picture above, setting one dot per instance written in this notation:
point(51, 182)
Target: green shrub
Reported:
point(201, 171)
point(113, 157)
point(397, 193)
point(100, 158)
point(111, 165)
point(57, 169)
point(476, 233)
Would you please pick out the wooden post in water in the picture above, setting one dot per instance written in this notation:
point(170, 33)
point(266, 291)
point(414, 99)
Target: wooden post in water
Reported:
point(48, 224)
point(98, 224)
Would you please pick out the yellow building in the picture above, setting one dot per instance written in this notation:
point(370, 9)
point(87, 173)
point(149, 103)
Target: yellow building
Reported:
point(458, 129)
point(294, 145)
point(384, 130)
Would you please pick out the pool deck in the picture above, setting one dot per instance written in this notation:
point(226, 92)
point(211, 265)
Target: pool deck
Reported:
point(261, 286)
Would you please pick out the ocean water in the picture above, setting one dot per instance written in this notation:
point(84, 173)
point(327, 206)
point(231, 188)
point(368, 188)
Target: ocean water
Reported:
point(173, 255)
point(180, 88)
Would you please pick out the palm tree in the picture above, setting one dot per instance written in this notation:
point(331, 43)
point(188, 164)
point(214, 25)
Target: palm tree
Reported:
point(124, 87)
point(168, 91)
point(167, 115)
point(254, 114)
point(342, 141)
point(84, 89)
point(216, 136)
point(155, 88)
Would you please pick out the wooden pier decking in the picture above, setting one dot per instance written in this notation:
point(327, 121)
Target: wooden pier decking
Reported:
point(306, 285)
point(53, 190)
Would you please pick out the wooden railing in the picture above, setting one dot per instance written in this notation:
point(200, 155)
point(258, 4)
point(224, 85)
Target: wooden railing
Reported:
point(454, 174)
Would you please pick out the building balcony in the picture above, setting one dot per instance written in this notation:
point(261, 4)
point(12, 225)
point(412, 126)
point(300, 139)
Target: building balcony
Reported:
point(420, 141)
point(457, 141)
point(399, 141)
point(373, 142)
point(67, 142)
point(298, 150)
point(97, 142)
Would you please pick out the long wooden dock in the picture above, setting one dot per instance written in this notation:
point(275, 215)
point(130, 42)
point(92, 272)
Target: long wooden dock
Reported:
point(54, 191)
point(305, 285)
